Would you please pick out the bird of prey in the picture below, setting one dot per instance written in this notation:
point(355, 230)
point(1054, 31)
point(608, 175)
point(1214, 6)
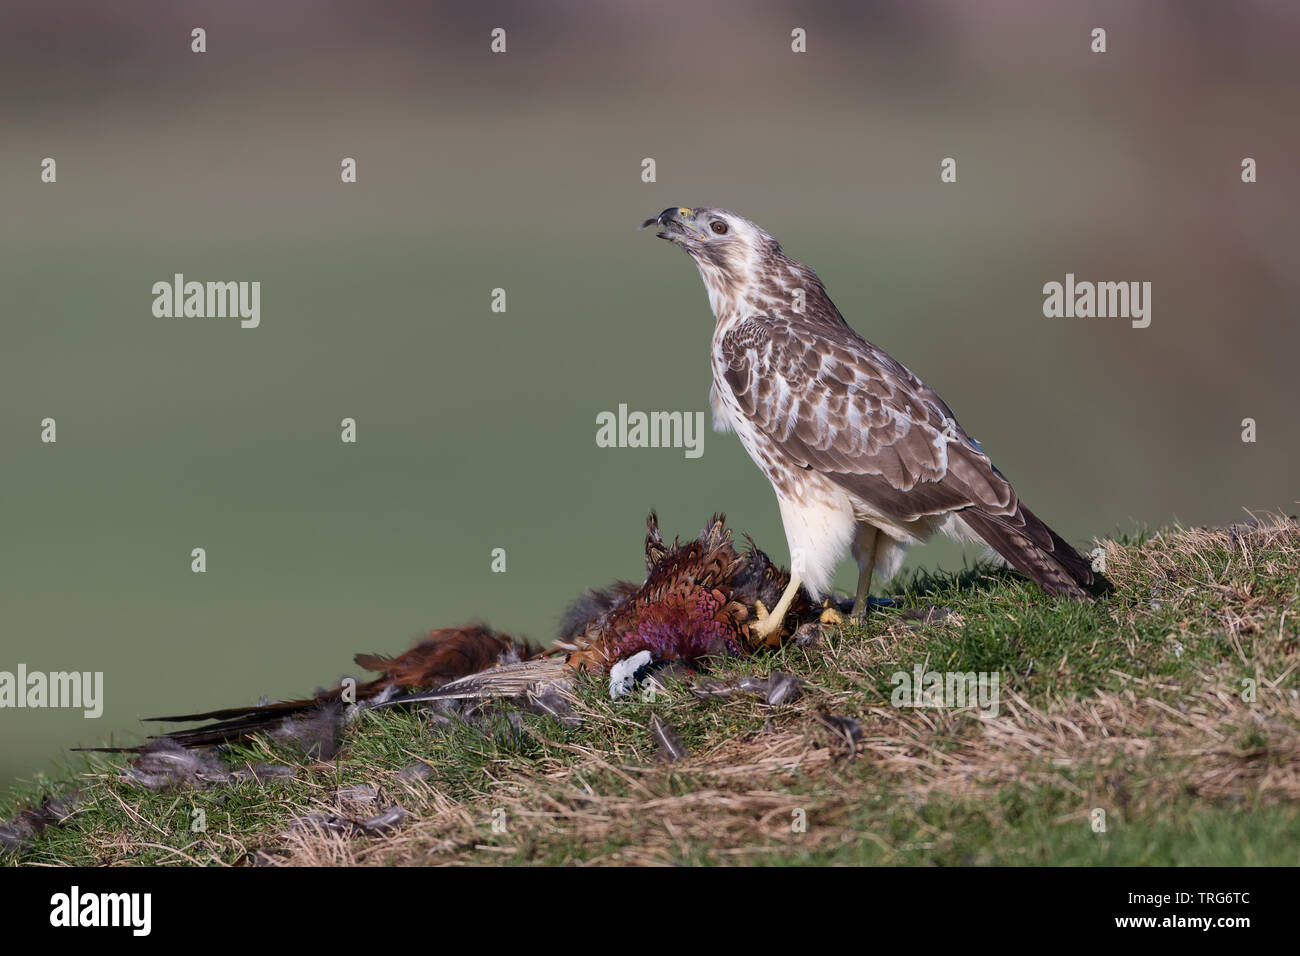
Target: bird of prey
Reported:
point(699, 599)
point(863, 455)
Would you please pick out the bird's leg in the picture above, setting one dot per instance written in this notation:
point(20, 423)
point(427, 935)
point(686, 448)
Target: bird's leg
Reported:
point(768, 624)
point(863, 600)
point(864, 549)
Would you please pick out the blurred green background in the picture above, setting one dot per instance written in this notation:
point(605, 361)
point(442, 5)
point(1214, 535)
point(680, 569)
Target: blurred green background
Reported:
point(522, 171)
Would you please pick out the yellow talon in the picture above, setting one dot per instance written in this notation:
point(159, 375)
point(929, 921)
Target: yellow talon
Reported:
point(766, 629)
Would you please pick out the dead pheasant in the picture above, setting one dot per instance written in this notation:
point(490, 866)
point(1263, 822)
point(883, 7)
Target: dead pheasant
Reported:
point(438, 659)
point(699, 599)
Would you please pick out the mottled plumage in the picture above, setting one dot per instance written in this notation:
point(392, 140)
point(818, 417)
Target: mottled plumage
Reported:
point(862, 454)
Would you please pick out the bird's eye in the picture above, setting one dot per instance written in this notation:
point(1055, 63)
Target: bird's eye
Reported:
point(718, 226)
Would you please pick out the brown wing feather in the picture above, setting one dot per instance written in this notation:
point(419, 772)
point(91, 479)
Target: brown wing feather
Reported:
point(834, 403)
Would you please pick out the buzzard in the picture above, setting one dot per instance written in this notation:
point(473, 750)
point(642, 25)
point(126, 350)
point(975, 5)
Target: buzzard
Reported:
point(862, 454)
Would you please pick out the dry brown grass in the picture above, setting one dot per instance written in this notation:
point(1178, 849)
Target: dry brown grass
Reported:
point(1224, 748)
point(602, 795)
point(915, 754)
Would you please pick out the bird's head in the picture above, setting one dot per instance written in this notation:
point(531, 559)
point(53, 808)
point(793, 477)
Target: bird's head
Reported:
point(714, 234)
point(732, 253)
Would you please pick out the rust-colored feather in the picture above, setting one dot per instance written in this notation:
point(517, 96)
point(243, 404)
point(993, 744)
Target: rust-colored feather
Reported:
point(698, 600)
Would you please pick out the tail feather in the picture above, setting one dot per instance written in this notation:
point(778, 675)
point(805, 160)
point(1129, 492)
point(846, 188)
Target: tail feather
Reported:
point(442, 657)
point(312, 726)
point(312, 719)
point(282, 708)
point(1038, 552)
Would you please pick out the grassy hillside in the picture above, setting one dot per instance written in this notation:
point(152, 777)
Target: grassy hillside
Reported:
point(1173, 709)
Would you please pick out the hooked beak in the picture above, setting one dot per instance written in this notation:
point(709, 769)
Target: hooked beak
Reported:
point(673, 224)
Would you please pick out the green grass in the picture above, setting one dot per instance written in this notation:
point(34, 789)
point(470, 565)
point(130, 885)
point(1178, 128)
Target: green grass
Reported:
point(1132, 708)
